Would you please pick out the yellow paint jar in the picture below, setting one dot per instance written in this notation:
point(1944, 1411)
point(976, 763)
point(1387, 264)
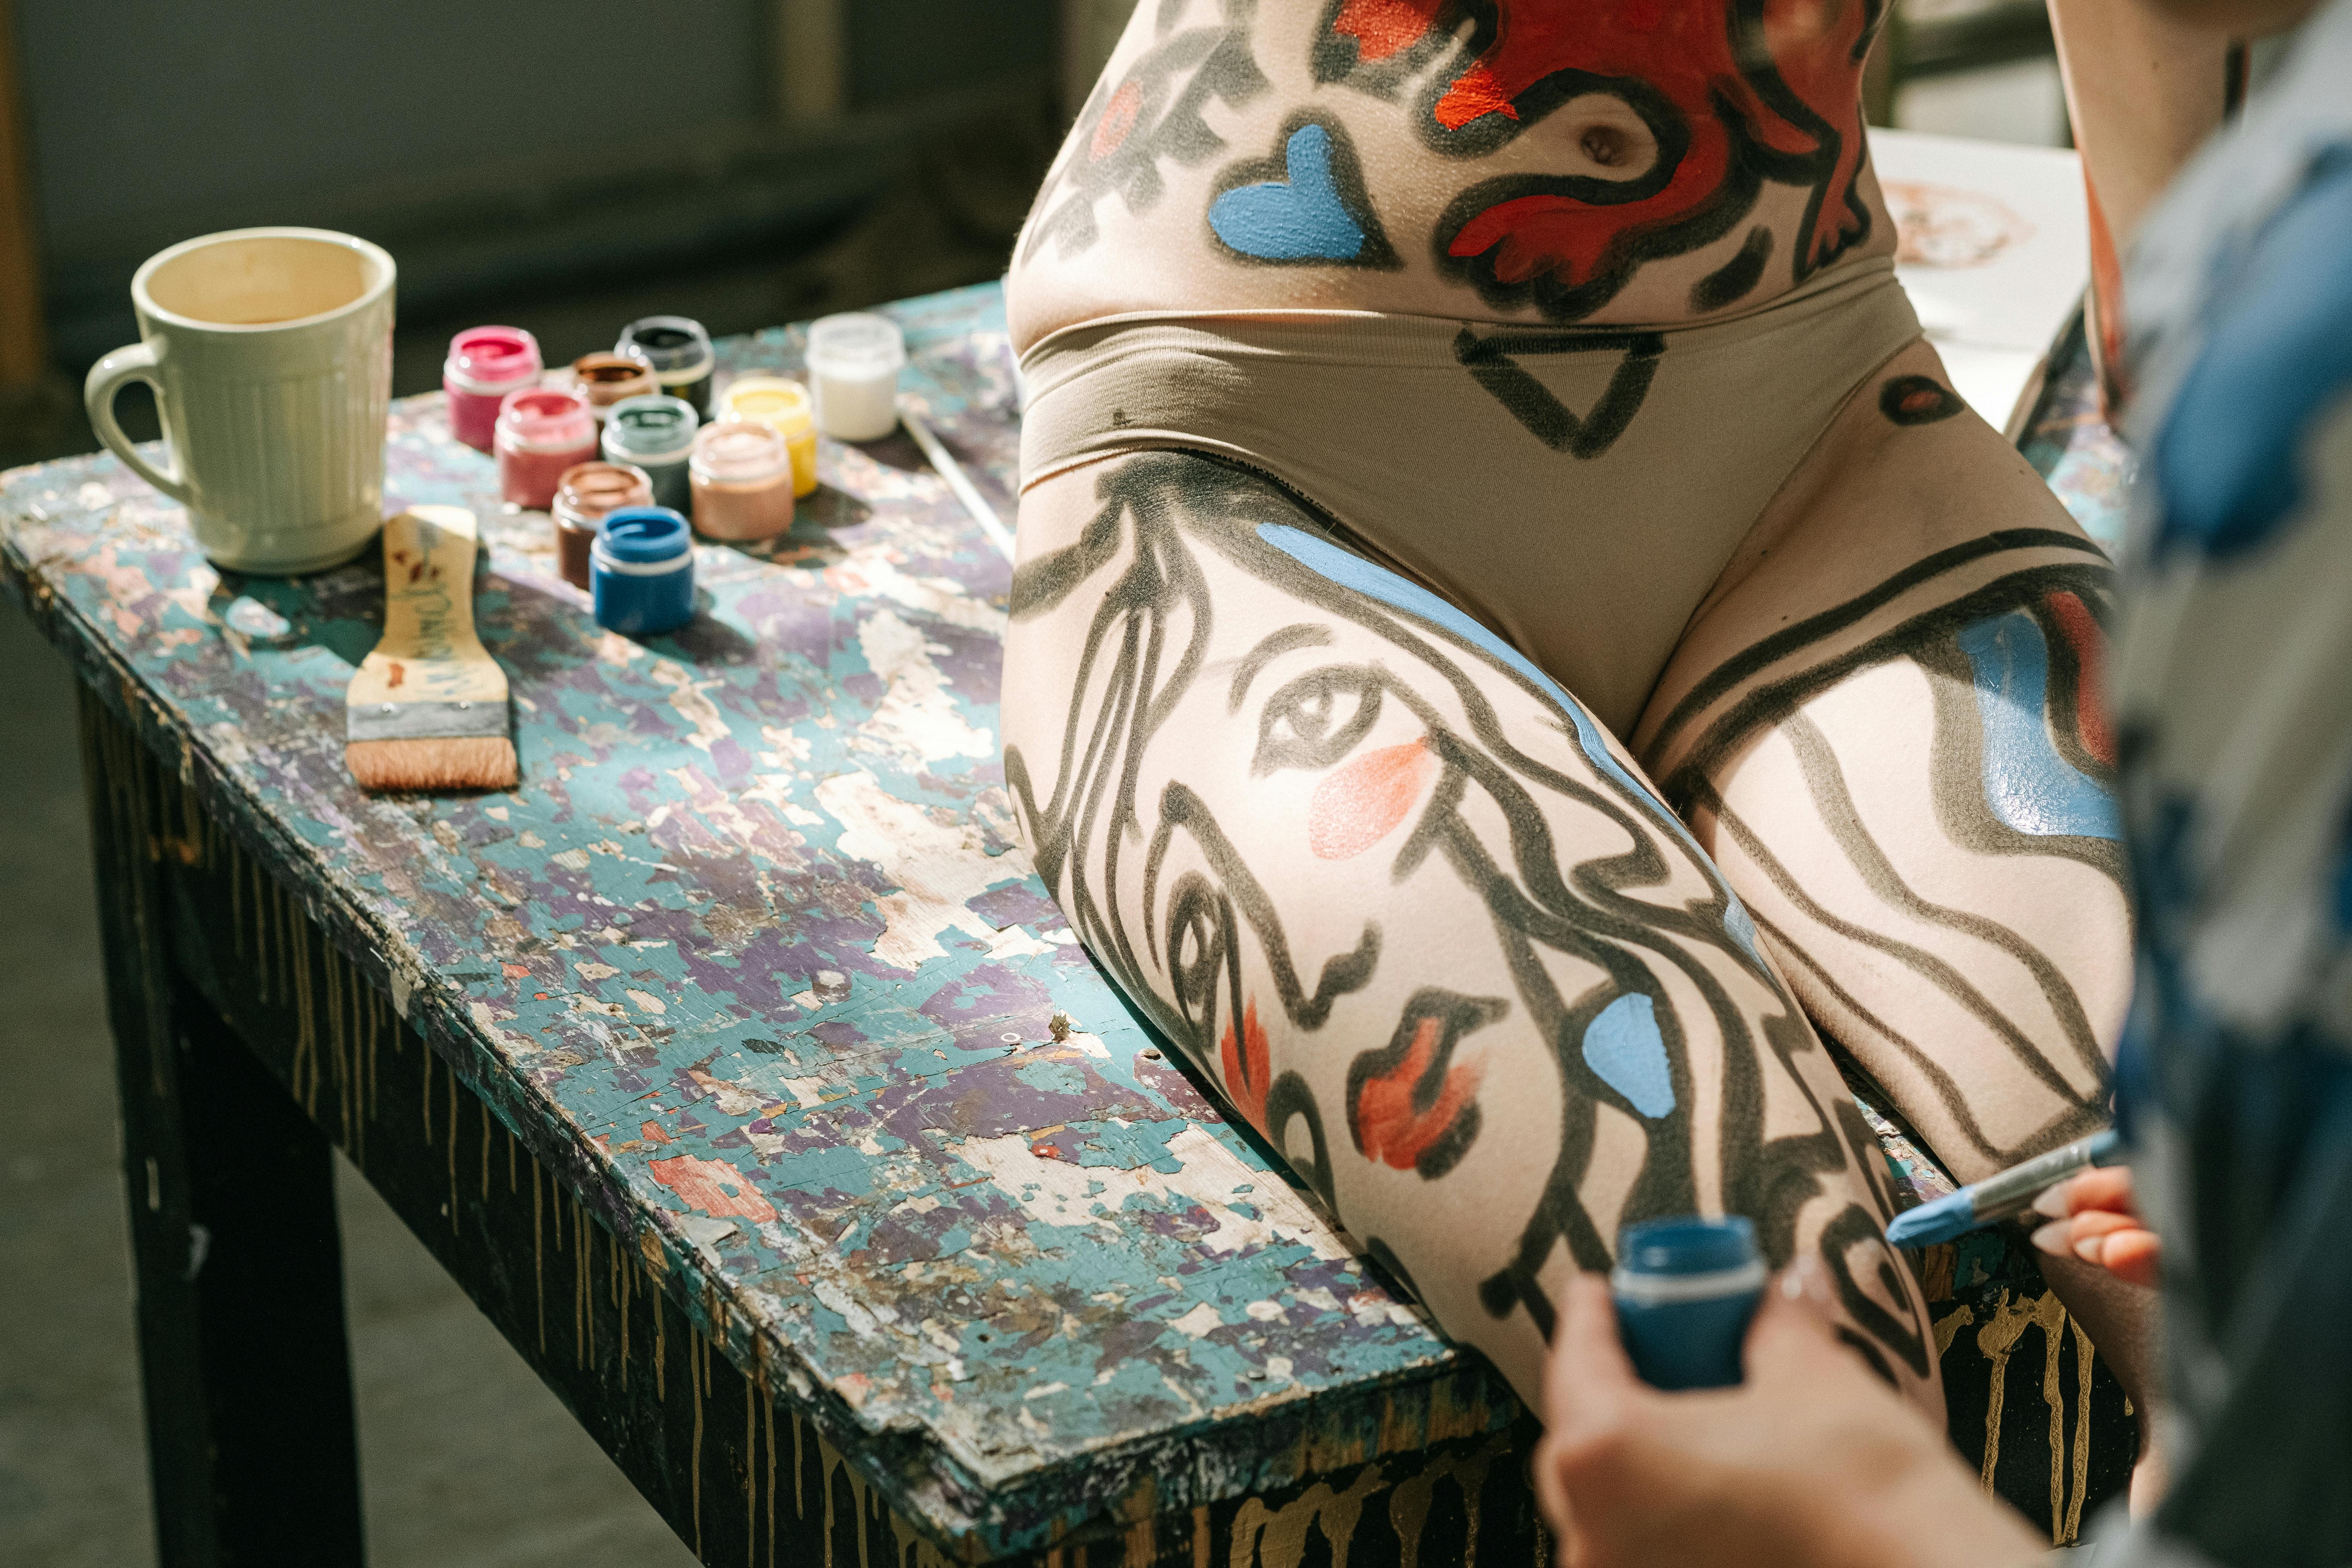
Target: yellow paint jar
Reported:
point(784, 405)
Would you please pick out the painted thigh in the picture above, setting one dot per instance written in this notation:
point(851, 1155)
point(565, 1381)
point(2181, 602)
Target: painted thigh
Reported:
point(1885, 725)
point(1432, 933)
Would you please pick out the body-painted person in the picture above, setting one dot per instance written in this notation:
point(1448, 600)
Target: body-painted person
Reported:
point(1522, 665)
point(2232, 704)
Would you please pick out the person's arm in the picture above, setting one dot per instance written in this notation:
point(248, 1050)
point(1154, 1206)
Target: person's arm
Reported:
point(1812, 1460)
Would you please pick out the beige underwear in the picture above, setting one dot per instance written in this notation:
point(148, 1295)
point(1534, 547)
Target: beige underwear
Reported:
point(1579, 489)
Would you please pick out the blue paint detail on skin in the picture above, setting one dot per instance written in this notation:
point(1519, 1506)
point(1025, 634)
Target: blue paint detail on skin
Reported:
point(1328, 560)
point(2229, 461)
point(2028, 784)
point(1300, 219)
point(1623, 1046)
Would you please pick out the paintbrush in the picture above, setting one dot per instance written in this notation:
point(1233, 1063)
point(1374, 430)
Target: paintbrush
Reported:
point(428, 709)
point(2000, 1197)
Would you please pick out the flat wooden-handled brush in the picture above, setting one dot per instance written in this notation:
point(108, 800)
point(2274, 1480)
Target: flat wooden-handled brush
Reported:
point(428, 709)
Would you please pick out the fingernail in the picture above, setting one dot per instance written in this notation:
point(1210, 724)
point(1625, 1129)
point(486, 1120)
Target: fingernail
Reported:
point(2091, 1248)
point(2052, 1201)
point(2052, 1238)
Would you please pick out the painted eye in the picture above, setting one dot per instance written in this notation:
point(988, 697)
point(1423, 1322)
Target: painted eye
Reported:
point(1316, 719)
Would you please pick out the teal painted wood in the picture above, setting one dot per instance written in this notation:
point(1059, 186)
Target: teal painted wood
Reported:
point(1021, 1278)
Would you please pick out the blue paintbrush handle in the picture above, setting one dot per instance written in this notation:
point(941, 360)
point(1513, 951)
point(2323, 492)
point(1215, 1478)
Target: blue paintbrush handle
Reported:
point(1997, 1197)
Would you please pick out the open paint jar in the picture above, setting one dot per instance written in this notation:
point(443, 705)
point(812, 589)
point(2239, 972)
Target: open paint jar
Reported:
point(784, 407)
point(543, 431)
point(656, 434)
point(679, 351)
point(853, 363)
point(742, 474)
point(605, 379)
point(641, 571)
point(585, 493)
point(485, 363)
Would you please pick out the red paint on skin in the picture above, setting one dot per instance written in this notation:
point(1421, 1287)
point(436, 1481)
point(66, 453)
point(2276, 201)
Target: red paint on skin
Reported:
point(2082, 632)
point(1689, 53)
point(1245, 1069)
point(1393, 1129)
point(1361, 804)
point(703, 1183)
point(1118, 118)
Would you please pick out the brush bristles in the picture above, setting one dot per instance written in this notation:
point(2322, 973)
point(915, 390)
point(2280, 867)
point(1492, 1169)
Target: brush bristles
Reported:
point(479, 761)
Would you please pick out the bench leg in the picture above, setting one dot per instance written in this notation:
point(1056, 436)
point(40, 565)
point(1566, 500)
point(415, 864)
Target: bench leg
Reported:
point(244, 1362)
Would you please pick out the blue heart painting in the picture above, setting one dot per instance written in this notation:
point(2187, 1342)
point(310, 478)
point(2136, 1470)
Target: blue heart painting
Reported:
point(1301, 219)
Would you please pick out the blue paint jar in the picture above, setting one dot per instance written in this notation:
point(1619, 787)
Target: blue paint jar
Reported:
point(641, 571)
point(1686, 1289)
point(656, 434)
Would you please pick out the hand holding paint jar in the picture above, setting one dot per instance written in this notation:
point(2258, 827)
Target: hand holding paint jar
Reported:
point(1686, 1290)
point(853, 363)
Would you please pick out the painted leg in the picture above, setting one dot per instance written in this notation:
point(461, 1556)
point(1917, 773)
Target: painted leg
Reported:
point(244, 1364)
point(1402, 898)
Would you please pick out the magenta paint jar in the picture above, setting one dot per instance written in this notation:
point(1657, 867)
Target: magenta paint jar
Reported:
point(485, 363)
point(543, 431)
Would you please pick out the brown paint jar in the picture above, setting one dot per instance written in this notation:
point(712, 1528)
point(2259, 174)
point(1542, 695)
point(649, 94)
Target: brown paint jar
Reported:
point(603, 379)
point(742, 474)
point(583, 496)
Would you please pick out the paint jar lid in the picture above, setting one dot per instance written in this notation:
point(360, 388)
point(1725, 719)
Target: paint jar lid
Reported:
point(856, 345)
point(643, 536)
point(546, 418)
point(773, 400)
point(739, 451)
point(588, 490)
point(671, 344)
point(1686, 1246)
point(651, 426)
point(492, 359)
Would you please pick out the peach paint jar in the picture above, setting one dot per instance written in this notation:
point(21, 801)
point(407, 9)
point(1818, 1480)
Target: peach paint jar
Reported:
point(541, 432)
point(603, 379)
point(783, 404)
point(583, 496)
point(742, 473)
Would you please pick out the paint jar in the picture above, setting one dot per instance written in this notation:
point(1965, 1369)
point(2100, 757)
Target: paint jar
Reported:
point(641, 571)
point(784, 405)
point(583, 496)
point(1686, 1289)
point(485, 363)
point(742, 473)
point(606, 379)
point(852, 364)
point(679, 351)
point(656, 434)
point(543, 430)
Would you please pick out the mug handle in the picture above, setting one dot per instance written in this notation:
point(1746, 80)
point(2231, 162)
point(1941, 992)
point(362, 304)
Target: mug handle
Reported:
point(137, 362)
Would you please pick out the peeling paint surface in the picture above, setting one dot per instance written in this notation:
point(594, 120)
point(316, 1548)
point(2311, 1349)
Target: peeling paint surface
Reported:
point(1019, 1281)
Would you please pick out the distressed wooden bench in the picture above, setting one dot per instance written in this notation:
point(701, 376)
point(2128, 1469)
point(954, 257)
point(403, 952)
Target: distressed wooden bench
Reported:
point(741, 1072)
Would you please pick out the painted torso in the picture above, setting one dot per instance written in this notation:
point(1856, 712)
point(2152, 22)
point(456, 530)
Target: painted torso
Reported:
point(1615, 161)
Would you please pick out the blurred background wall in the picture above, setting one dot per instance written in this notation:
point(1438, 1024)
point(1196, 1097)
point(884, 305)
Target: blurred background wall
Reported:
point(564, 165)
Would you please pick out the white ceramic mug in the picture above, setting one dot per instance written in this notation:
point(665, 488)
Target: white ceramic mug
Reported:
point(270, 353)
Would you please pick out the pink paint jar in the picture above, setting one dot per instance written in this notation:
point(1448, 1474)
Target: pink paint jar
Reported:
point(543, 431)
point(742, 474)
point(485, 363)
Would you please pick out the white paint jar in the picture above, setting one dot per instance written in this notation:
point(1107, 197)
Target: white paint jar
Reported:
point(853, 366)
